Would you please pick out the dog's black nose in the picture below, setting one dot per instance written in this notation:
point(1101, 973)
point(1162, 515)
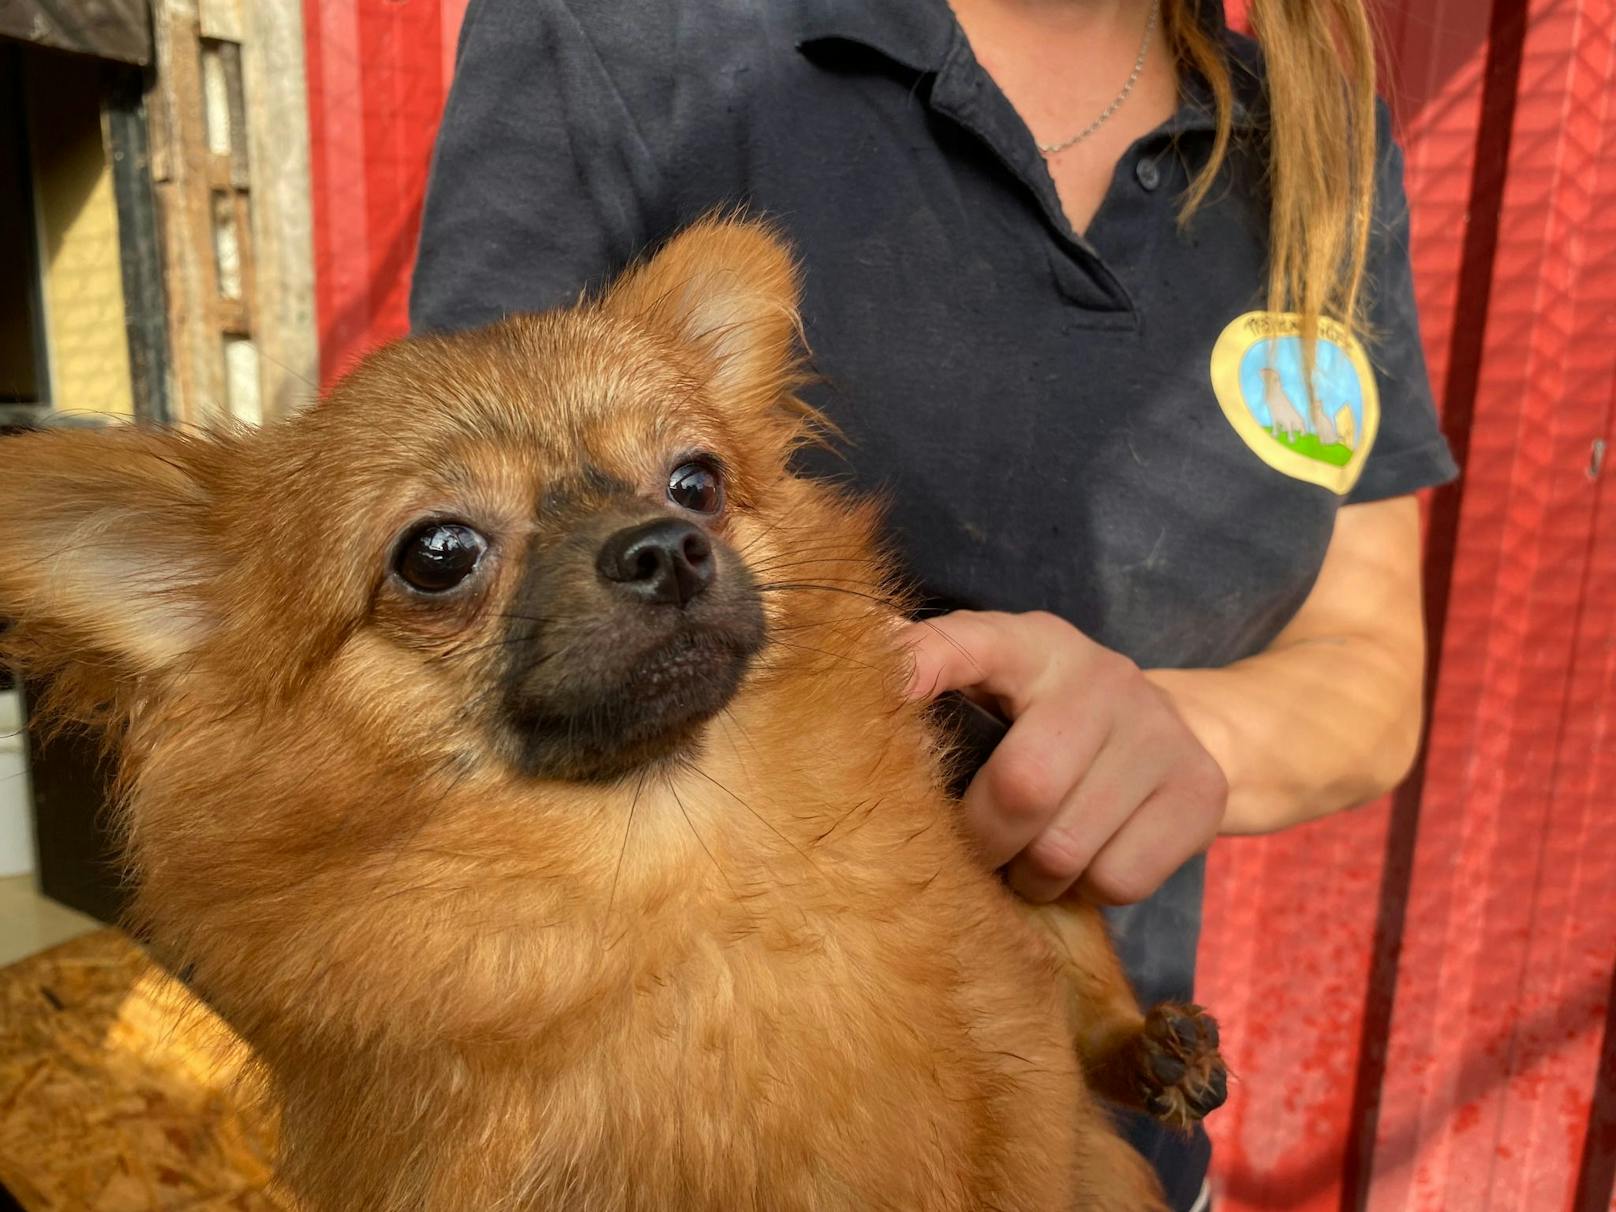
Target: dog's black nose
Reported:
point(668, 561)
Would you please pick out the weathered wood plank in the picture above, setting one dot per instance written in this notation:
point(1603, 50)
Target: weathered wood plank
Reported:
point(123, 115)
point(282, 225)
point(181, 162)
point(221, 19)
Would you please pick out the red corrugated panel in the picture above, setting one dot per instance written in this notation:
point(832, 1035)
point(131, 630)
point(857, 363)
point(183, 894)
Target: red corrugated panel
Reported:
point(337, 179)
point(1434, 54)
point(1505, 971)
point(1285, 962)
point(378, 72)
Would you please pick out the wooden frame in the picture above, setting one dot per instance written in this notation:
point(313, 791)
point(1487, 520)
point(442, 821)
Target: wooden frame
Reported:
point(107, 29)
point(229, 162)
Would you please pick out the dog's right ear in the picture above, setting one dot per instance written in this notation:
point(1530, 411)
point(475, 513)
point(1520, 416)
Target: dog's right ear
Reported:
point(727, 289)
point(108, 548)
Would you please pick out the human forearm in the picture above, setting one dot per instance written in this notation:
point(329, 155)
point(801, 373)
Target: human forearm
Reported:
point(1303, 731)
point(1328, 716)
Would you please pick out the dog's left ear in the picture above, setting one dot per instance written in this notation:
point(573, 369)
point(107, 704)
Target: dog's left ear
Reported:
point(727, 288)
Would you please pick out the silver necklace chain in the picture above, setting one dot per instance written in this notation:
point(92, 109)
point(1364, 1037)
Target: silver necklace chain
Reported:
point(1117, 102)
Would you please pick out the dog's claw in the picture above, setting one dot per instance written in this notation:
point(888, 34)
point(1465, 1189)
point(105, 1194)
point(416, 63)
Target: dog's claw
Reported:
point(1181, 1074)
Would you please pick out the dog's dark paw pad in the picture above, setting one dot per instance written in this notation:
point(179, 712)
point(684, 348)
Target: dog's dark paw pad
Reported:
point(1181, 1075)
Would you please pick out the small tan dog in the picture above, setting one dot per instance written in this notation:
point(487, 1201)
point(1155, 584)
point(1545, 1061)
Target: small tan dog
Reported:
point(512, 750)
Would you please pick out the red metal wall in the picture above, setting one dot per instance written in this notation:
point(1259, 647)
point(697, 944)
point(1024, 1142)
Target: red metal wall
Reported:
point(1418, 997)
point(378, 72)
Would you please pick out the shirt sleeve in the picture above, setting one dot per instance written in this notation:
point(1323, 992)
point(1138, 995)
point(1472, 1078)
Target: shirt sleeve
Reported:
point(543, 182)
point(1410, 452)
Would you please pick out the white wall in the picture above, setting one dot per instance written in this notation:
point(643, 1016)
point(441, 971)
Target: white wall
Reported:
point(16, 820)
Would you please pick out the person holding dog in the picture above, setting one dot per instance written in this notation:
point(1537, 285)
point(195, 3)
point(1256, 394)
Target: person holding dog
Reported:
point(1080, 279)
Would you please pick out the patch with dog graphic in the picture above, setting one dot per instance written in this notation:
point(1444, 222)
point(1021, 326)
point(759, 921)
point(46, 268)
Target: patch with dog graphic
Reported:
point(1321, 436)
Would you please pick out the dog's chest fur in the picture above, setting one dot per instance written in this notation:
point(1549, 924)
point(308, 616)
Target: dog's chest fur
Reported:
point(704, 1033)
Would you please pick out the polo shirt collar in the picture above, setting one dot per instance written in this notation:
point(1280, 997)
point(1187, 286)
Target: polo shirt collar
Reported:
point(920, 34)
point(914, 33)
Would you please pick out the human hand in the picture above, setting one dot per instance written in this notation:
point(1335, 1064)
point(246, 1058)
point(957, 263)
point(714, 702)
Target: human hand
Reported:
point(1098, 781)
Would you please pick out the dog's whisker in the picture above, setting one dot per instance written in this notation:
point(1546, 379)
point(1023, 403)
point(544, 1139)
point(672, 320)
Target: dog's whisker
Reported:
point(617, 872)
point(761, 819)
point(711, 858)
point(834, 563)
point(731, 726)
point(951, 641)
point(825, 652)
point(824, 587)
point(768, 530)
point(820, 624)
point(852, 553)
point(845, 817)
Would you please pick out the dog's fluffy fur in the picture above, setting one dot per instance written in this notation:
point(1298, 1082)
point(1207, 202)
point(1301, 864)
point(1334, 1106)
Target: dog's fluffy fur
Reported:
point(751, 966)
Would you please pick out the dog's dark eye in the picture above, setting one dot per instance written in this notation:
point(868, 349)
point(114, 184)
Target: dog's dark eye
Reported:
point(436, 557)
point(696, 486)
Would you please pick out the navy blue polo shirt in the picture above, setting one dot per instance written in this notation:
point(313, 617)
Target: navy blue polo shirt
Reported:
point(1106, 425)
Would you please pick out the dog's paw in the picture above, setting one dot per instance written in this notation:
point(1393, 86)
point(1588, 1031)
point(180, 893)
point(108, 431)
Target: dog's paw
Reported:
point(1180, 1072)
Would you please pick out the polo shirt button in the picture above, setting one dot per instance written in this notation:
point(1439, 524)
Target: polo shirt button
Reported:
point(1147, 172)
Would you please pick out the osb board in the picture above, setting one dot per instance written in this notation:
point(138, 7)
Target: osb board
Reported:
point(117, 1090)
